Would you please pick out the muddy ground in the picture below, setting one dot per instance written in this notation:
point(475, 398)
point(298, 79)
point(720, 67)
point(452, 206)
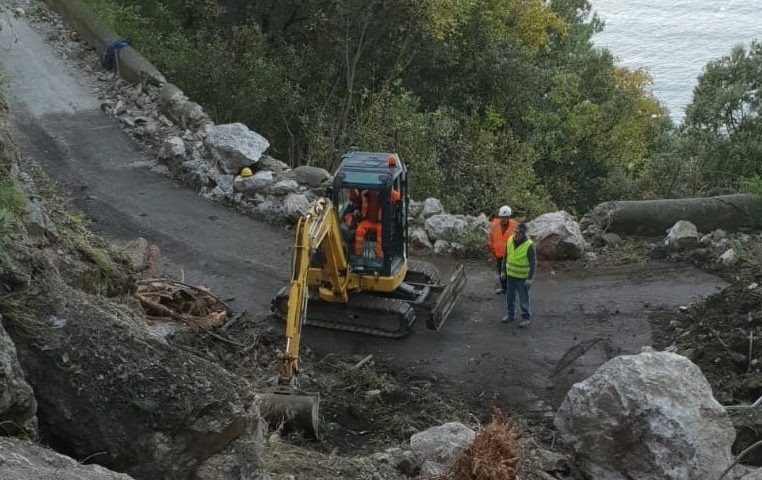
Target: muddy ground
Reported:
point(583, 315)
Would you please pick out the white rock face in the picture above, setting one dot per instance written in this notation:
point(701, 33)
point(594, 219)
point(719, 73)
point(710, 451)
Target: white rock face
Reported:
point(647, 416)
point(682, 236)
point(557, 236)
point(431, 207)
point(260, 182)
point(445, 226)
point(233, 146)
point(295, 205)
point(439, 447)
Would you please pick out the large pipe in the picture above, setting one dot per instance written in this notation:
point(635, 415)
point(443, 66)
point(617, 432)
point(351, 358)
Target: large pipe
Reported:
point(655, 217)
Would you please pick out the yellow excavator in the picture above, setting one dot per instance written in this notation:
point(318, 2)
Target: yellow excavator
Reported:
point(350, 271)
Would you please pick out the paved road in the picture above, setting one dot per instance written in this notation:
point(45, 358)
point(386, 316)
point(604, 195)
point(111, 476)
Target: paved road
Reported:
point(583, 317)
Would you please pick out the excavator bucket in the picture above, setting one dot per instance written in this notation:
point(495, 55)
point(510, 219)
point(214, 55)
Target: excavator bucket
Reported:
point(293, 410)
point(433, 301)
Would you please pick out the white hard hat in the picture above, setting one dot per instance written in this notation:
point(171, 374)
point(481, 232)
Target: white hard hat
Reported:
point(505, 211)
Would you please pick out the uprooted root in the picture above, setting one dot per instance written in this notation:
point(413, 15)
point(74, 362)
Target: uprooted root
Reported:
point(494, 454)
point(170, 300)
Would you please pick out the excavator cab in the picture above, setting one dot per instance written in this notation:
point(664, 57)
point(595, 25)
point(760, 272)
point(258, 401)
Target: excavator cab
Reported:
point(368, 191)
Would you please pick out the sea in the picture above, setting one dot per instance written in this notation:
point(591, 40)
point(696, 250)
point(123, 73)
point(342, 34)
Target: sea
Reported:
point(674, 39)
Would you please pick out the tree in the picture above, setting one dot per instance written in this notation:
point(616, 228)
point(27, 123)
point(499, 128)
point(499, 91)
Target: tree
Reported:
point(722, 133)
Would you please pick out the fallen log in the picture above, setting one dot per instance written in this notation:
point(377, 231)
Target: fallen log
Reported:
point(109, 390)
point(655, 217)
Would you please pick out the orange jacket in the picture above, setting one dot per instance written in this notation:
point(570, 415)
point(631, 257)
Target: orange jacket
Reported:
point(499, 237)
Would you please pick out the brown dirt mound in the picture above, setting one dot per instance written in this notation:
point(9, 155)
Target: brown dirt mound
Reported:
point(494, 454)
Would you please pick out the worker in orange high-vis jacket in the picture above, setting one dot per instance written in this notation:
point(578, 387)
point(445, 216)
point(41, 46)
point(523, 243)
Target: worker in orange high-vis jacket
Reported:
point(500, 231)
point(370, 221)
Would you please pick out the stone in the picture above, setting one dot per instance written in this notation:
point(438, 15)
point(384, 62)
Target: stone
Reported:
point(557, 236)
point(550, 461)
point(415, 211)
point(441, 445)
point(173, 148)
point(284, 187)
point(295, 205)
point(442, 247)
point(25, 460)
point(647, 416)
point(37, 222)
point(431, 207)
point(269, 163)
point(18, 406)
point(312, 176)
point(729, 258)
point(260, 182)
point(419, 239)
point(445, 226)
point(611, 239)
point(233, 146)
point(682, 236)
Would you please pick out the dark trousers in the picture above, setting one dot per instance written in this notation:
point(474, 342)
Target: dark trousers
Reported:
point(518, 286)
point(500, 269)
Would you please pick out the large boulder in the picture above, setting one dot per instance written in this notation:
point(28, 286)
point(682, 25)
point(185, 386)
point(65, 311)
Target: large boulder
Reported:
point(233, 146)
point(557, 236)
point(17, 404)
point(682, 236)
point(24, 460)
point(439, 447)
point(108, 388)
point(312, 176)
point(260, 182)
point(284, 187)
point(647, 416)
point(172, 149)
point(445, 226)
point(431, 207)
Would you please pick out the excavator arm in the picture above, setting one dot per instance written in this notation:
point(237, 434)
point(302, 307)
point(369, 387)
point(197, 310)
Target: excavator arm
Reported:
point(319, 227)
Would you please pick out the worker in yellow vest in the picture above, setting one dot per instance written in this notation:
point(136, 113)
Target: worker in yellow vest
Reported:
point(520, 263)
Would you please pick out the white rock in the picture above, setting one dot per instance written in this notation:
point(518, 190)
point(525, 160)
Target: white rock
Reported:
point(258, 183)
point(419, 238)
point(431, 207)
point(442, 445)
point(284, 187)
point(557, 236)
point(269, 163)
point(173, 148)
point(442, 247)
point(37, 222)
point(647, 416)
point(682, 236)
point(728, 259)
point(415, 211)
point(445, 226)
point(233, 146)
point(295, 205)
point(312, 176)
point(24, 460)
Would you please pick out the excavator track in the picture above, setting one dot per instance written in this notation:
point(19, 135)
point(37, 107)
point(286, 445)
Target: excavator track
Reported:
point(368, 314)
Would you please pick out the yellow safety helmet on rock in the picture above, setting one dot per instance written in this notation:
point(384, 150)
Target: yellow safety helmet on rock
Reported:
point(246, 172)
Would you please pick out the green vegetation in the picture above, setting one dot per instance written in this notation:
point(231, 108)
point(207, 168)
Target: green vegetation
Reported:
point(489, 101)
point(12, 199)
point(719, 147)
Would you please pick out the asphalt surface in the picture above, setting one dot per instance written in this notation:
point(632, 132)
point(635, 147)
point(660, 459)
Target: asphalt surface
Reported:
point(582, 317)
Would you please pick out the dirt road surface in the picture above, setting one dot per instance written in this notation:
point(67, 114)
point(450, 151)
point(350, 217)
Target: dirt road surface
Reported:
point(583, 317)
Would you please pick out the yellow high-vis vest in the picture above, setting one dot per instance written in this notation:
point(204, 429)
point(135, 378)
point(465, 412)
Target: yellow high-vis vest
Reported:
point(517, 259)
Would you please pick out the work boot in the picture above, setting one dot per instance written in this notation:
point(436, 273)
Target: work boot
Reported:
point(506, 319)
point(525, 324)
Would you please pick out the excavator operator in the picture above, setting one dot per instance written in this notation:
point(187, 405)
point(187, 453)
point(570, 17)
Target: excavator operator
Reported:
point(370, 222)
